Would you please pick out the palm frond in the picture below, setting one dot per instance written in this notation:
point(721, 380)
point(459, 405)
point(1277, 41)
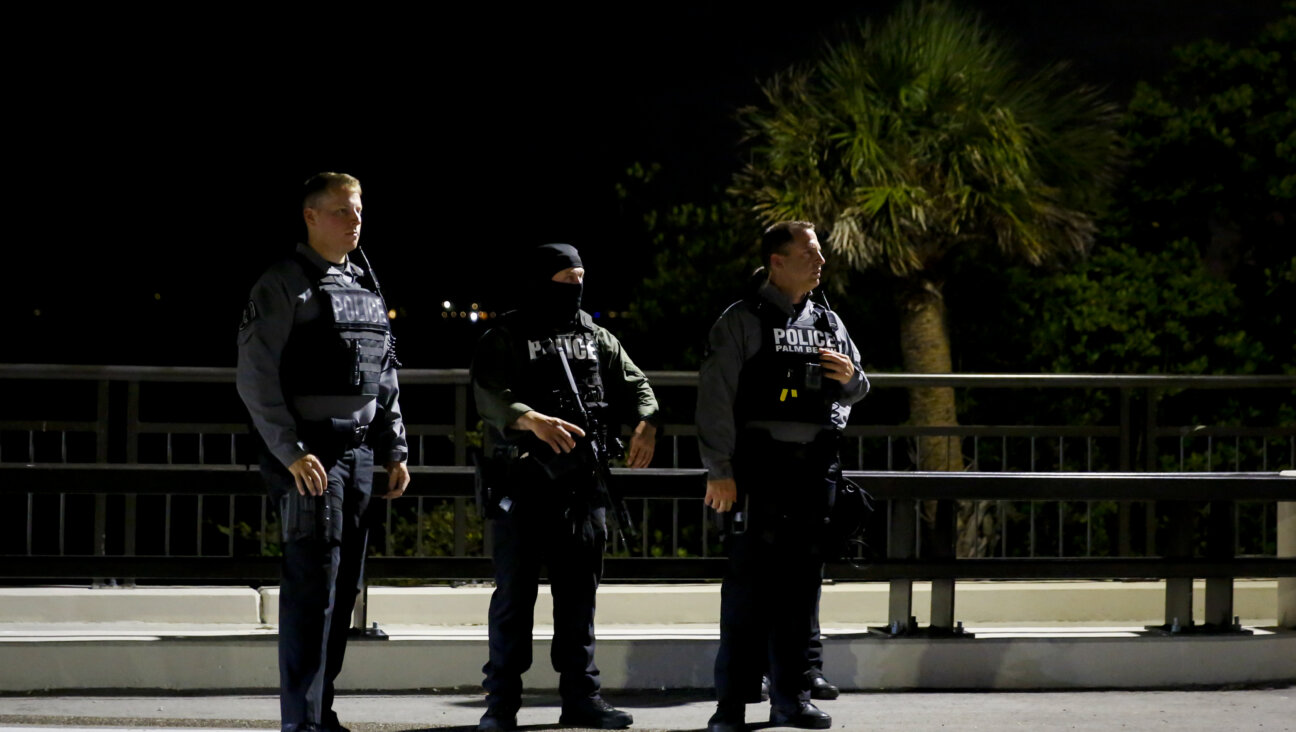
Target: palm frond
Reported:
point(921, 136)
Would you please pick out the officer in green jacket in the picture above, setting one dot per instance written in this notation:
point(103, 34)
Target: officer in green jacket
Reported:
point(553, 389)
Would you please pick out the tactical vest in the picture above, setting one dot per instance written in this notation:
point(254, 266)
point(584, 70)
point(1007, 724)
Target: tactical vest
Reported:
point(784, 381)
point(342, 351)
point(541, 382)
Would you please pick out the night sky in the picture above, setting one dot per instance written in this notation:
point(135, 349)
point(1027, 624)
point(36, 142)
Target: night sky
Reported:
point(155, 160)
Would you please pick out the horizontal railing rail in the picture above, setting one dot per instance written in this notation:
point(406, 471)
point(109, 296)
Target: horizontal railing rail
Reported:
point(687, 483)
point(218, 374)
point(1274, 445)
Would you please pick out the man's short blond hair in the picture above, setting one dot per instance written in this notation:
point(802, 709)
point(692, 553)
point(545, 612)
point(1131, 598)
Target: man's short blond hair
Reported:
point(318, 185)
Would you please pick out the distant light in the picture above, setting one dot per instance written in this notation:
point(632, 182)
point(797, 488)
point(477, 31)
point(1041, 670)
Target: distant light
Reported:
point(157, 296)
point(597, 314)
point(447, 304)
point(462, 314)
point(445, 315)
point(492, 313)
point(474, 306)
point(36, 312)
point(481, 315)
point(391, 314)
point(473, 317)
point(453, 314)
point(611, 313)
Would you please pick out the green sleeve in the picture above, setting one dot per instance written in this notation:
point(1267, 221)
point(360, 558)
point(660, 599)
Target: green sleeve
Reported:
point(493, 373)
point(629, 392)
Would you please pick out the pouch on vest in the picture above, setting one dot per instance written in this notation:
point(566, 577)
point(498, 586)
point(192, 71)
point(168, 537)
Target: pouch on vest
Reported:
point(491, 482)
point(311, 517)
point(557, 465)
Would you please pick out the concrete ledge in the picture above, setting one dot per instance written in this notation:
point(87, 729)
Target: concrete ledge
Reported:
point(1132, 603)
point(1141, 603)
point(223, 605)
point(1136, 603)
point(1101, 658)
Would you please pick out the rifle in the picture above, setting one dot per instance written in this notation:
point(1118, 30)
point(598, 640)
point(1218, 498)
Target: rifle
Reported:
point(597, 445)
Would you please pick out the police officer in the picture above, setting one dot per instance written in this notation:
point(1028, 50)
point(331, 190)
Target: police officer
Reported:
point(774, 394)
point(552, 388)
point(317, 372)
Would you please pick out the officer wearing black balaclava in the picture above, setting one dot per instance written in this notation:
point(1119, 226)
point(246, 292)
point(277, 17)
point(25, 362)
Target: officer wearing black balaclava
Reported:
point(553, 390)
point(554, 302)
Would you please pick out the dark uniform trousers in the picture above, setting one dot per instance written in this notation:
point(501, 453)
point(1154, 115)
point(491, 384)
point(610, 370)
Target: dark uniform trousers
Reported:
point(770, 594)
point(321, 580)
point(535, 533)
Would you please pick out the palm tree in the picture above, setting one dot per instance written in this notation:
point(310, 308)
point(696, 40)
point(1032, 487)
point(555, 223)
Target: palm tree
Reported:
point(920, 140)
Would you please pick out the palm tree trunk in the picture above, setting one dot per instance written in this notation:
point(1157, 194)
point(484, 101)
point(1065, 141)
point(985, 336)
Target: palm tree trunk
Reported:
point(925, 348)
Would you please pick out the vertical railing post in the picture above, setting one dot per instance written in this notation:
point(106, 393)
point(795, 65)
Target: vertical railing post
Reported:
point(132, 421)
point(901, 540)
point(1220, 542)
point(101, 424)
point(1149, 464)
point(461, 425)
point(132, 456)
point(1179, 590)
point(1126, 431)
point(1149, 429)
point(100, 524)
point(943, 546)
point(130, 520)
point(1287, 548)
point(460, 526)
point(1124, 544)
point(360, 615)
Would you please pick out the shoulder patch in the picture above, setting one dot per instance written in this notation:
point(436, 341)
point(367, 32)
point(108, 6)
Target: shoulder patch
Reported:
point(249, 315)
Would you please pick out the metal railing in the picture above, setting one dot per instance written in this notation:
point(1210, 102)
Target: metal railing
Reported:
point(911, 553)
point(130, 415)
point(142, 484)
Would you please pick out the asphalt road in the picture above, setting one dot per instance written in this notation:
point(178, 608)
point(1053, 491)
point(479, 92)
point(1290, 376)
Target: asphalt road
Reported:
point(1268, 709)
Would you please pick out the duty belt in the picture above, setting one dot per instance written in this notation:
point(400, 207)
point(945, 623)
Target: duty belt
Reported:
point(339, 432)
point(759, 441)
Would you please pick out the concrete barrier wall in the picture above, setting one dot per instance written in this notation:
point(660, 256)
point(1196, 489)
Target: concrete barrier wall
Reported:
point(217, 605)
point(846, 604)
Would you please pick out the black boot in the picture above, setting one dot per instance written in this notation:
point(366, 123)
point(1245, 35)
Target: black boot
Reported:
point(498, 718)
point(594, 713)
point(726, 719)
point(821, 688)
point(331, 723)
point(805, 716)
